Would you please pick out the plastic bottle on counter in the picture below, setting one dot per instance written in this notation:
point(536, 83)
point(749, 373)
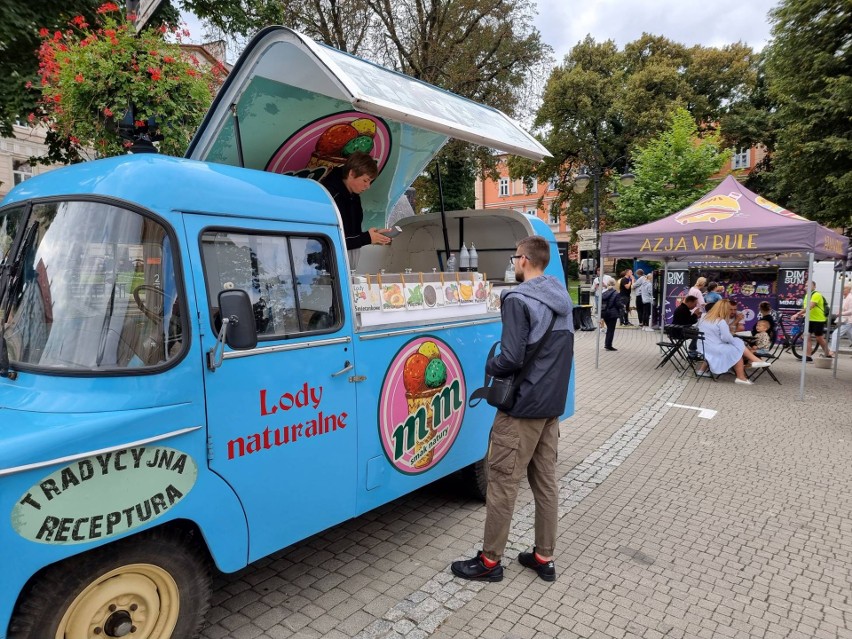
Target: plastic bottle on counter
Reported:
point(510, 273)
point(464, 259)
point(451, 263)
point(474, 258)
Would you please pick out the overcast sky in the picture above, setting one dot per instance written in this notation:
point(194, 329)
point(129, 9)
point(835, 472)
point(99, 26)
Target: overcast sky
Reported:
point(563, 23)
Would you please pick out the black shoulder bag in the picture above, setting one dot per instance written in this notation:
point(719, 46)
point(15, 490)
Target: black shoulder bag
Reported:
point(501, 392)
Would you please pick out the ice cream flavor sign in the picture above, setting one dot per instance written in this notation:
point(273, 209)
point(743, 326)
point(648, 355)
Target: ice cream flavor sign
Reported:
point(421, 406)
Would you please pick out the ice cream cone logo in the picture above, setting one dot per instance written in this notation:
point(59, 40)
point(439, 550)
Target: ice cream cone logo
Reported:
point(323, 144)
point(422, 404)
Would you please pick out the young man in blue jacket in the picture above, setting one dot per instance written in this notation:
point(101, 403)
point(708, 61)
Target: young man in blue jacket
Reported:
point(524, 439)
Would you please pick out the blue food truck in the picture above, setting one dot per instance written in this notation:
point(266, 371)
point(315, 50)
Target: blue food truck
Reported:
point(194, 373)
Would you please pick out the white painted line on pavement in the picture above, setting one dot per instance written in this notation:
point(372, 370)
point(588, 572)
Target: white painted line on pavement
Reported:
point(703, 413)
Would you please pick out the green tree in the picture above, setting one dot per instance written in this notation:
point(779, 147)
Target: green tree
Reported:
point(20, 21)
point(602, 102)
point(808, 69)
point(672, 170)
point(93, 76)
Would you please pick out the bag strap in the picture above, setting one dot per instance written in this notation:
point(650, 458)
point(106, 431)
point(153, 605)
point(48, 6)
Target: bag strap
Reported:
point(481, 393)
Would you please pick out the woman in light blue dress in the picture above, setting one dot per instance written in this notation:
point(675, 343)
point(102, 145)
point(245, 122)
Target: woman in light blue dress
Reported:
point(723, 351)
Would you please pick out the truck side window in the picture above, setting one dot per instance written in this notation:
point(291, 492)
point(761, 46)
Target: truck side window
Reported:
point(288, 278)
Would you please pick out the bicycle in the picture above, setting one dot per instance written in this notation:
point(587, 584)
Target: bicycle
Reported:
point(794, 338)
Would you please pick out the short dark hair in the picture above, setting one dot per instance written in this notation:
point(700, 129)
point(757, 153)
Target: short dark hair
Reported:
point(711, 286)
point(690, 298)
point(537, 250)
point(361, 164)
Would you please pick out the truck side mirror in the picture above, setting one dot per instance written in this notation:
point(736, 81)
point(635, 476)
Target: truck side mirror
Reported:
point(238, 327)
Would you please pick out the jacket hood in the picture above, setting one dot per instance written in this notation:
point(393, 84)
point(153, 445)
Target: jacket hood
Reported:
point(549, 291)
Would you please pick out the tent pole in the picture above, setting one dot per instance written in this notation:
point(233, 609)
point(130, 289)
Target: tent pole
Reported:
point(663, 300)
point(839, 318)
point(598, 295)
point(806, 330)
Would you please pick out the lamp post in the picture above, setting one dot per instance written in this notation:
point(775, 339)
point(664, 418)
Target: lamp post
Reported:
point(581, 181)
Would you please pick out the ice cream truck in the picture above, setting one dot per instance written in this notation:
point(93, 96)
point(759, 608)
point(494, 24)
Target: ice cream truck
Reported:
point(193, 375)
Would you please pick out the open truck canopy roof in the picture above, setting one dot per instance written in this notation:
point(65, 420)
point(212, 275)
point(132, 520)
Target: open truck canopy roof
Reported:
point(297, 107)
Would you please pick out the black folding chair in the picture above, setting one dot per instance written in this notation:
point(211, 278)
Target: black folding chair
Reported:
point(778, 347)
point(673, 349)
point(696, 360)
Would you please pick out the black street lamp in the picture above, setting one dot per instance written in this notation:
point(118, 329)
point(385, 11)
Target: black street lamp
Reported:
point(581, 182)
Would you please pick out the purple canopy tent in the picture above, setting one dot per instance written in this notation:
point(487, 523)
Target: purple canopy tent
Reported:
point(729, 222)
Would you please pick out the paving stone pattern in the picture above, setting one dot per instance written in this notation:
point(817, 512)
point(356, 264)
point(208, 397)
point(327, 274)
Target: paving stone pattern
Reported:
point(670, 525)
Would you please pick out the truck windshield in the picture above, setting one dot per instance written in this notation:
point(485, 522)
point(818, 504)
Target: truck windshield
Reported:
point(90, 287)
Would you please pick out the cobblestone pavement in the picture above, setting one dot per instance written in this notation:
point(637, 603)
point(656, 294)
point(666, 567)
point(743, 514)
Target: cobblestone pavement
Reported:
point(671, 525)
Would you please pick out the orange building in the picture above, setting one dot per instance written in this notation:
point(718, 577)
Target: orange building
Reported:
point(506, 193)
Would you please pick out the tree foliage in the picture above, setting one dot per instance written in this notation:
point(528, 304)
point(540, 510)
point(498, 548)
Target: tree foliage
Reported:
point(808, 72)
point(485, 50)
point(671, 171)
point(601, 102)
point(93, 75)
point(20, 21)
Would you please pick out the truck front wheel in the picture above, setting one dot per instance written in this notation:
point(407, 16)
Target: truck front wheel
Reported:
point(156, 586)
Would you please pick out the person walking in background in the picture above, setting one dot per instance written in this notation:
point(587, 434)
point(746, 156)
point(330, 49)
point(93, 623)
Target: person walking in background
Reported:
point(612, 307)
point(524, 439)
point(625, 285)
point(844, 312)
point(813, 306)
point(644, 298)
point(697, 291)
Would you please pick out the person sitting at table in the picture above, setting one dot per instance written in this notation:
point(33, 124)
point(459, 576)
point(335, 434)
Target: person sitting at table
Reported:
point(686, 314)
point(765, 314)
point(723, 351)
point(762, 341)
point(735, 319)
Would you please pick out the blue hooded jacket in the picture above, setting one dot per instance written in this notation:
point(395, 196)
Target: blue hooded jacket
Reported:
point(527, 311)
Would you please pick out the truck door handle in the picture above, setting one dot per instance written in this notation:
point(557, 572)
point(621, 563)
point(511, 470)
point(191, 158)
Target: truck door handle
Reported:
point(347, 366)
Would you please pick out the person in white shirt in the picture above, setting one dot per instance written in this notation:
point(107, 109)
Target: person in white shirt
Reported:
point(844, 312)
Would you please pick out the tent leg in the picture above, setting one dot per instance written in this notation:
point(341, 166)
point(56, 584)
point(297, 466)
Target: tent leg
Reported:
point(663, 300)
point(806, 330)
point(839, 320)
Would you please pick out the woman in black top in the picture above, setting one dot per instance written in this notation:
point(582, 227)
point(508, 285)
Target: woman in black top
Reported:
point(624, 286)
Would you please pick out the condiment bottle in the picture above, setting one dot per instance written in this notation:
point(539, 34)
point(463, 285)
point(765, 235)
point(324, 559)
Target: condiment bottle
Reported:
point(510, 273)
point(474, 258)
point(464, 259)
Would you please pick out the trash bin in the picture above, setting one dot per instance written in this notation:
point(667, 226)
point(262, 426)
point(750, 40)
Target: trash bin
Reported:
point(584, 298)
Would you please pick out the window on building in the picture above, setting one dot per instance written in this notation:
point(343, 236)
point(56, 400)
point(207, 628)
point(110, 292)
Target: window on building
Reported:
point(552, 184)
point(533, 187)
point(21, 170)
point(741, 158)
point(290, 279)
point(504, 187)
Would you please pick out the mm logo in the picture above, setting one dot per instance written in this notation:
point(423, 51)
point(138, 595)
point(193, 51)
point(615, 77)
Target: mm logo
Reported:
point(422, 404)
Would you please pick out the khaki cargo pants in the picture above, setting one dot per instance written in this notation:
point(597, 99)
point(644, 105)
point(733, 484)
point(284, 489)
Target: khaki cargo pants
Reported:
point(519, 446)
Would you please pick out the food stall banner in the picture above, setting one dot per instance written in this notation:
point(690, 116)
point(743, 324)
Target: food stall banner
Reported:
point(730, 221)
point(296, 107)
